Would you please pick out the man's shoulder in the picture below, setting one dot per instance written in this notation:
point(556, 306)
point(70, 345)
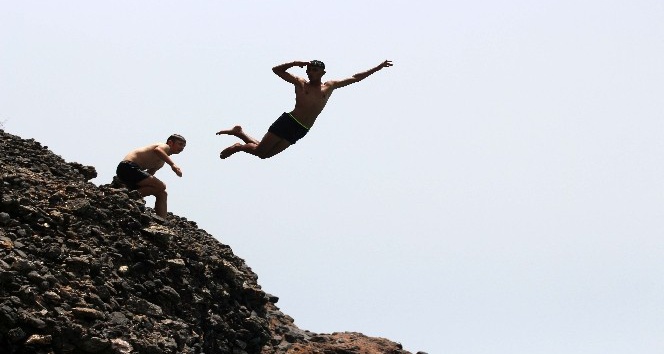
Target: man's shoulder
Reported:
point(149, 147)
point(329, 85)
point(157, 145)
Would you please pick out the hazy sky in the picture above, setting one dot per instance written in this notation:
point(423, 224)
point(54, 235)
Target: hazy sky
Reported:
point(498, 190)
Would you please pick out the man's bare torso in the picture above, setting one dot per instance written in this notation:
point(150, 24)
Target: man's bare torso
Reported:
point(146, 157)
point(310, 99)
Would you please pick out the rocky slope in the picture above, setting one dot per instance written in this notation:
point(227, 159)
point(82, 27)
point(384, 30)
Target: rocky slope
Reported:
point(91, 269)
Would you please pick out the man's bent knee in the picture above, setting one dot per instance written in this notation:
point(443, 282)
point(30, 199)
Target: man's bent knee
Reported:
point(152, 182)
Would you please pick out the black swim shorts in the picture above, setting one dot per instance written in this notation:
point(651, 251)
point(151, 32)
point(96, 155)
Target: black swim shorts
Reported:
point(130, 174)
point(287, 127)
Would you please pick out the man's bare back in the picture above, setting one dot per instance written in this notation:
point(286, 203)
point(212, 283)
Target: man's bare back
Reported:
point(146, 158)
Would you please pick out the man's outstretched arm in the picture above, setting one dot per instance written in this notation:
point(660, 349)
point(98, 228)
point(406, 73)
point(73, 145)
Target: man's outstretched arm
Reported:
point(360, 76)
point(280, 70)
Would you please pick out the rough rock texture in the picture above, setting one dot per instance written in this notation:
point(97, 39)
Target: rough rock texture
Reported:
point(90, 269)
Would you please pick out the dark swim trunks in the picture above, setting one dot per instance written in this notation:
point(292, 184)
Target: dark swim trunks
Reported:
point(130, 174)
point(287, 127)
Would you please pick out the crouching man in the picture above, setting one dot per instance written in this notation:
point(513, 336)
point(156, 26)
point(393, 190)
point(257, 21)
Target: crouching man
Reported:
point(139, 166)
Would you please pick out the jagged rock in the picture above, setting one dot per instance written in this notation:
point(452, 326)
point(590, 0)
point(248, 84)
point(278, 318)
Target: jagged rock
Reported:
point(121, 346)
point(39, 340)
point(91, 269)
point(87, 313)
point(4, 218)
point(94, 344)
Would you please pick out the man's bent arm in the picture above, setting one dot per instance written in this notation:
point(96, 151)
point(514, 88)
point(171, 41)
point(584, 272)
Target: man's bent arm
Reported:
point(161, 152)
point(280, 70)
point(360, 76)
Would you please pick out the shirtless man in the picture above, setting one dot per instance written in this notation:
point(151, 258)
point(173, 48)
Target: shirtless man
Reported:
point(310, 99)
point(139, 166)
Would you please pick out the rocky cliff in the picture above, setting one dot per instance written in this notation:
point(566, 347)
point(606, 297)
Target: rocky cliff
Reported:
point(91, 269)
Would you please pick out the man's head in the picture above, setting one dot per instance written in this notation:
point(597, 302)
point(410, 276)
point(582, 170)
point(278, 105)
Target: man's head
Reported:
point(176, 137)
point(316, 64)
point(315, 70)
point(177, 143)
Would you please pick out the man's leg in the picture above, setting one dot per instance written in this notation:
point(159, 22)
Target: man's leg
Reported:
point(153, 186)
point(270, 145)
point(238, 132)
point(160, 204)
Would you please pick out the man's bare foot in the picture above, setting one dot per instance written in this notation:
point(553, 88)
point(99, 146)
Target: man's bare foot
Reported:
point(230, 150)
point(236, 130)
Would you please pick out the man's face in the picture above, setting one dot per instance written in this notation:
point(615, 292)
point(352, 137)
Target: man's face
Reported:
point(177, 146)
point(315, 71)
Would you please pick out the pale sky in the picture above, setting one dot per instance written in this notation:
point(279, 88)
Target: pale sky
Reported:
point(498, 190)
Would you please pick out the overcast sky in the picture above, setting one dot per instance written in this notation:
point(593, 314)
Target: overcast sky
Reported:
point(498, 190)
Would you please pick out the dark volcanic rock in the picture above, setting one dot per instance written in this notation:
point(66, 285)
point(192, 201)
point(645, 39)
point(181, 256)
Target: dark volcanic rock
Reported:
point(90, 269)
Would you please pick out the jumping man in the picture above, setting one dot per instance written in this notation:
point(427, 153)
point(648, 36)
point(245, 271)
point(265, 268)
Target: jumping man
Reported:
point(310, 99)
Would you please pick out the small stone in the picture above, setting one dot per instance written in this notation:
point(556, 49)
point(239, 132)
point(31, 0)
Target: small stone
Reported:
point(87, 313)
point(39, 340)
point(120, 346)
point(4, 218)
point(94, 344)
point(16, 335)
point(52, 297)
